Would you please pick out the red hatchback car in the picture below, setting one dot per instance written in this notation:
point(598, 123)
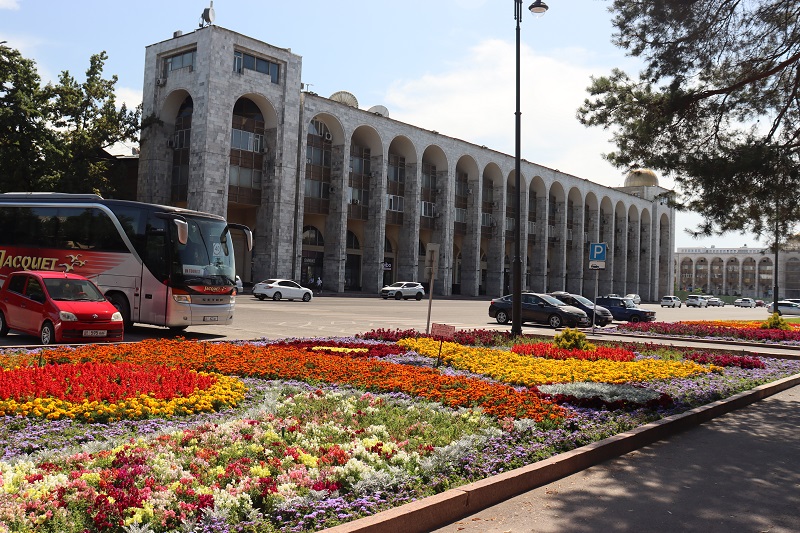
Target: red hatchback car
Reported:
point(57, 307)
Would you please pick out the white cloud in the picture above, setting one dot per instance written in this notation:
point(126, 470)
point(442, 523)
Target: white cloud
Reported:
point(128, 96)
point(474, 99)
point(9, 4)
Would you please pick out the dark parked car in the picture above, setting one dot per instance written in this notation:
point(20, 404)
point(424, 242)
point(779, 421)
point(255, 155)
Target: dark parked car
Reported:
point(540, 308)
point(624, 309)
point(603, 317)
point(57, 307)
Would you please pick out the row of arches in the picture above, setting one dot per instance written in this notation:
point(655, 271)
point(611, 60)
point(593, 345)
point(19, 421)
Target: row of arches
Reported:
point(374, 205)
point(751, 276)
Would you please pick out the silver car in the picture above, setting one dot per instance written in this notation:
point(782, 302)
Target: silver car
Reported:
point(671, 301)
point(785, 308)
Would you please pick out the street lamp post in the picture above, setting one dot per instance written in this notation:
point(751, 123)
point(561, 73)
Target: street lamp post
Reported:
point(537, 8)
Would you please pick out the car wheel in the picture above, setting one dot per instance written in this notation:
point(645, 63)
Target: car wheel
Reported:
point(385, 297)
point(3, 326)
point(501, 317)
point(260, 297)
point(48, 333)
point(306, 297)
point(419, 296)
point(398, 296)
point(121, 303)
point(554, 321)
point(276, 296)
point(635, 319)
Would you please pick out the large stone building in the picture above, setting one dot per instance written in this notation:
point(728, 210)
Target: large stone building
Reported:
point(739, 271)
point(355, 197)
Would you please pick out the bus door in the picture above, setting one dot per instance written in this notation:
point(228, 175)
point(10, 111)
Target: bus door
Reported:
point(153, 284)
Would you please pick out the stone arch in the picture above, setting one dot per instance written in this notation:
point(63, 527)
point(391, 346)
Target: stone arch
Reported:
point(492, 224)
point(466, 227)
point(556, 248)
point(536, 260)
point(575, 249)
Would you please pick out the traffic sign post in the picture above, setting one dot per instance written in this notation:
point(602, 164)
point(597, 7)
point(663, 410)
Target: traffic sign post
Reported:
point(597, 262)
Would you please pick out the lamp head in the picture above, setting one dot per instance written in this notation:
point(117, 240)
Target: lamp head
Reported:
point(538, 7)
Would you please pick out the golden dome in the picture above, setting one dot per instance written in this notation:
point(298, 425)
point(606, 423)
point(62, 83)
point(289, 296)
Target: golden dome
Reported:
point(641, 177)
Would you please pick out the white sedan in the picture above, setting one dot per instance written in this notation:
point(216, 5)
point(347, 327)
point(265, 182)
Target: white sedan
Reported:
point(785, 308)
point(635, 297)
point(278, 289)
point(744, 302)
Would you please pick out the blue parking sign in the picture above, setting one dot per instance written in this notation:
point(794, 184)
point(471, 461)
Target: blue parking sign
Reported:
point(597, 251)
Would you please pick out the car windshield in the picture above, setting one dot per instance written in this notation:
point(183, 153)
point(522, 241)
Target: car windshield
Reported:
point(629, 303)
point(73, 290)
point(583, 300)
point(398, 284)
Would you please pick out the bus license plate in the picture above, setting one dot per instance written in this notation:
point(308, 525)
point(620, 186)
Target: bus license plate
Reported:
point(94, 333)
point(210, 319)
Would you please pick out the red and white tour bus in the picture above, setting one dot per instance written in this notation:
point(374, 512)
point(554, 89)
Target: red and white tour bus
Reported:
point(157, 264)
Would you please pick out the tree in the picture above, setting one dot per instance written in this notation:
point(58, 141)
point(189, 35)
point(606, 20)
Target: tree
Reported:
point(87, 120)
point(717, 106)
point(51, 138)
point(26, 141)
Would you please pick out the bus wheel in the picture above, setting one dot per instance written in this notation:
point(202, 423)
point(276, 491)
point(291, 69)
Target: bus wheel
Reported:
point(48, 333)
point(177, 329)
point(121, 303)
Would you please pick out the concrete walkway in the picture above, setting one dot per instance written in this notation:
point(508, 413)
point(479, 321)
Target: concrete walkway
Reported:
point(737, 473)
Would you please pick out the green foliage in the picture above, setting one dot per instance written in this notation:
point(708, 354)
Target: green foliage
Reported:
point(775, 321)
point(572, 339)
point(52, 137)
point(713, 106)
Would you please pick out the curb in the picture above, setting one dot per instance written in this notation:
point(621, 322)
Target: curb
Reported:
point(442, 509)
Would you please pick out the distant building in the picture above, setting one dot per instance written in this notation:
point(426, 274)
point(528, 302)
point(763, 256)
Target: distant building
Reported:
point(354, 197)
point(738, 271)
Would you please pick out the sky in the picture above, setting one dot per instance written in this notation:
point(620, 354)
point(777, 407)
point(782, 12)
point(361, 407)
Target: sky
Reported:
point(444, 65)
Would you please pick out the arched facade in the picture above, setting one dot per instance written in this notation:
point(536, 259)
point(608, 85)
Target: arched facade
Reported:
point(241, 139)
point(738, 271)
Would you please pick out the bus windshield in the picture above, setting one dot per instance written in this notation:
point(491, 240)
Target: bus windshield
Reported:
point(207, 257)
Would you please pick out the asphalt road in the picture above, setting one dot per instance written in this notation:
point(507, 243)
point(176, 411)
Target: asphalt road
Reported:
point(337, 315)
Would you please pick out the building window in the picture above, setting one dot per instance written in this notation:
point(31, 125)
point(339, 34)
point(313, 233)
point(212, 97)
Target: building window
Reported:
point(427, 209)
point(248, 145)
point(177, 62)
point(395, 203)
point(461, 215)
point(242, 61)
point(397, 169)
point(181, 141)
point(312, 236)
point(247, 141)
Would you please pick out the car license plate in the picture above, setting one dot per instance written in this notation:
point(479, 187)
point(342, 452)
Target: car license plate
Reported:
point(94, 333)
point(210, 319)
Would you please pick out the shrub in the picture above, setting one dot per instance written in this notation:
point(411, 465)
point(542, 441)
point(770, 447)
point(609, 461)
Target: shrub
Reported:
point(572, 339)
point(775, 321)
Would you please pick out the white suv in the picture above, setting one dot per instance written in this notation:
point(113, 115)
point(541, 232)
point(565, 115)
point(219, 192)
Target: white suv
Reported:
point(403, 290)
point(695, 300)
point(671, 301)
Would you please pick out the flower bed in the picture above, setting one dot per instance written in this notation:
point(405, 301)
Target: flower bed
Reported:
point(324, 433)
point(748, 331)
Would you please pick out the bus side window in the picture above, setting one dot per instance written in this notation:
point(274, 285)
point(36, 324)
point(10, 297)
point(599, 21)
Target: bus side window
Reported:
point(155, 257)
